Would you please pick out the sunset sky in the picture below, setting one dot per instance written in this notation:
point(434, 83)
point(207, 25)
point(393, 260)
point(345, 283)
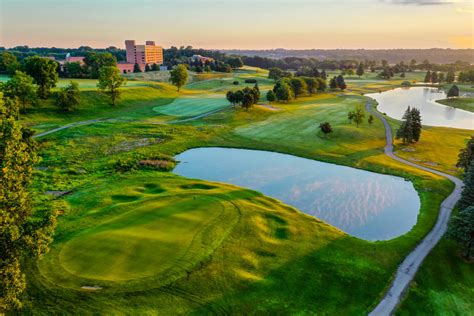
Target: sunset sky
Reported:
point(245, 24)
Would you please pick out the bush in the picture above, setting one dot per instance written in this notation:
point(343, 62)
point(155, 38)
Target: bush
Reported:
point(236, 83)
point(406, 83)
point(250, 80)
point(125, 165)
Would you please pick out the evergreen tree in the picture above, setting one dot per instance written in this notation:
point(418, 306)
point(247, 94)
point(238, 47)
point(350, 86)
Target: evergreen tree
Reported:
point(155, 67)
point(360, 69)
point(147, 68)
point(333, 83)
point(434, 77)
point(428, 77)
point(21, 233)
point(410, 127)
point(461, 229)
point(450, 77)
point(370, 120)
point(136, 68)
point(341, 84)
point(466, 155)
point(467, 195)
point(453, 91)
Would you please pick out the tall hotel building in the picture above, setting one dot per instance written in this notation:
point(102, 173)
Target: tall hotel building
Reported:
point(144, 54)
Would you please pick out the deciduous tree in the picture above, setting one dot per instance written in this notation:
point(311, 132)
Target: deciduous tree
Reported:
point(43, 71)
point(21, 87)
point(22, 233)
point(68, 97)
point(110, 82)
point(179, 76)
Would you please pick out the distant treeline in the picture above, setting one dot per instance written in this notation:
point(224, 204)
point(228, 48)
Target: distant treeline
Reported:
point(434, 55)
point(295, 63)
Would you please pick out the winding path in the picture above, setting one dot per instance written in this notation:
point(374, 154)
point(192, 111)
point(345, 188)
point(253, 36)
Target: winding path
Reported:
point(68, 126)
point(408, 268)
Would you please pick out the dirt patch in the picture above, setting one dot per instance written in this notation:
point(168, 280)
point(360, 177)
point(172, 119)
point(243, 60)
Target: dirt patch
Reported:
point(57, 193)
point(91, 288)
point(132, 144)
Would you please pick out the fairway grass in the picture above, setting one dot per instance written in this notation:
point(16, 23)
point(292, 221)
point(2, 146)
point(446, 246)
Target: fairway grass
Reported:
point(192, 105)
point(460, 103)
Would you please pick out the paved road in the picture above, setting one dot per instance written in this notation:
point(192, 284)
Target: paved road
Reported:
point(408, 268)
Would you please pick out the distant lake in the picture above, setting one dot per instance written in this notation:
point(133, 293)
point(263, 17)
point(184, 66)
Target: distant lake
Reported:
point(363, 204)
point(395, 102)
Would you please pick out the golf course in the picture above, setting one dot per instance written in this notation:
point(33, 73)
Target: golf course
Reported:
point(134, 237)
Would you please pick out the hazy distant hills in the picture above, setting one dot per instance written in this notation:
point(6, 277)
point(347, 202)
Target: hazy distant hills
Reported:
point(434, 55)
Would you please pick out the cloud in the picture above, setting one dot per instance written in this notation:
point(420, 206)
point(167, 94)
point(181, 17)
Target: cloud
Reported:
point(420, 2)
point(465, 10)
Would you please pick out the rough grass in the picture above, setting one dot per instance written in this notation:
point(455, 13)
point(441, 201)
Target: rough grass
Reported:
point(444, 284)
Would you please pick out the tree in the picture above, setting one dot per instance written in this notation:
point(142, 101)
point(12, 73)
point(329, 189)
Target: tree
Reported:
point(235, 62)
point(466, 155)
point(434, 77)
point(358, 115)
point(22, 233)
point(230, 97)
point(360, 69)
point(8, 63)
point(402, 75)
point(428, 77)
point(247, 101)
point(322, 84)
point(467, 195)
point(275, 73)
point(453, 91)
point(410, 127)
point(147, 68)
point(370, 120)
point(282, 90)
point(110, 81)
point(21, 86)
point(341, 84)
point(271, 96)
point(68, 97)
point(179, 76)
point(311, 84)
point(325, 128)
point(94, 61)
point(298, 86)
point(333, 83)
point(450, 76)
point(441, 77)
point(43, 71)
point(350, 116)
point(155, 67)
point(461, 229)
point(73, 70)
point(136, 68)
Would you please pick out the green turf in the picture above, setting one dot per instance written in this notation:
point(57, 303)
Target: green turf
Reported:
point(243, 253)
point(192, 105)
point(460, 103)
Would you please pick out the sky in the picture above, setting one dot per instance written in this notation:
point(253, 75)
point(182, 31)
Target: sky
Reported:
point(241, 24)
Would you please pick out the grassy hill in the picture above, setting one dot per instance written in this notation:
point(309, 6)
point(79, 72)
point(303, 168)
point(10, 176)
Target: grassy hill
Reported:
point(138, 240)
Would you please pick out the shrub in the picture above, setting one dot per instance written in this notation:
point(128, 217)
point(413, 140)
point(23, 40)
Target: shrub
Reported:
point(250, 80)
point(236, 83)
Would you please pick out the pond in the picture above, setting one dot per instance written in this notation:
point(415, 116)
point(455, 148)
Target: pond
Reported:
point(363, 204)
point(395, 102)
